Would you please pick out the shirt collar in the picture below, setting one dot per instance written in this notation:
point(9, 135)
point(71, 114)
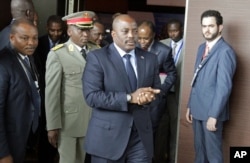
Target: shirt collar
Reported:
point(212, 43)
point(122, 52)
point(177, 43)
point(150, 46)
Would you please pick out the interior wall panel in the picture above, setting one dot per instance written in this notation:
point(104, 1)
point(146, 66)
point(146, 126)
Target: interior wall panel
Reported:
point(236, 32)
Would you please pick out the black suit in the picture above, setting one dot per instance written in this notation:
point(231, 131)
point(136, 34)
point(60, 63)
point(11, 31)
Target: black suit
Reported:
point(4, 36)
point(16, 107)
point(166, 65)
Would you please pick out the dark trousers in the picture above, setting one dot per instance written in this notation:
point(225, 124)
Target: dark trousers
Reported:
point(46, 152)
point(135, 152)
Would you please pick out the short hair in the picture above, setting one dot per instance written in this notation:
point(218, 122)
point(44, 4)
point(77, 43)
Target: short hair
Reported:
point(213, 13)
point(97, 22)
point(17, 22)
point(175, 21)
point(54, 19)
point(149, 24)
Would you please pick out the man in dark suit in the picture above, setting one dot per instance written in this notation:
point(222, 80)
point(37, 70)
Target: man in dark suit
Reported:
point(19, 9)
point(174, 30)
point(120, 83)
point(212, 83)
point(19, 92)
point(54, 36)
point(146, 40)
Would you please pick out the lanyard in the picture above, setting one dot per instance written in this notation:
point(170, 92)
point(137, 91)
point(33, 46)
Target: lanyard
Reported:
point(27, 68)
point(176, 56)
point(203, 62)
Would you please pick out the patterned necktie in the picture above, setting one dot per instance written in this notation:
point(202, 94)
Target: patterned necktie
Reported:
point(83, 53)
point(36, 99)
point(27, 61)
point(130, 72)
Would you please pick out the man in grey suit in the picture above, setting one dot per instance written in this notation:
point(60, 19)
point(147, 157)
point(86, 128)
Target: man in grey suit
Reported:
point(212, 83)
point(174, 29)
point(67, 113)
point(121, 83)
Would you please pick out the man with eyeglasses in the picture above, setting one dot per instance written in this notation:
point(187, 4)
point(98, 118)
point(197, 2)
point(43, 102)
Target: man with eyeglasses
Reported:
point(67, 114)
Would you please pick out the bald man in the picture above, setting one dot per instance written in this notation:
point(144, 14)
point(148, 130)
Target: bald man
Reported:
point(19, 9)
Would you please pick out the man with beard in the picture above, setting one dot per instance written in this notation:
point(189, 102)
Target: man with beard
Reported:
point(208, 105)
point(67, 113)
point(19, 92)
point(121, 83)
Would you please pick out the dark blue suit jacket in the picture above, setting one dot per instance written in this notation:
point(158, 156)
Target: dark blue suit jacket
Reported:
point(105, 85)
point(210, 92)
point(15, 106)
point(166, 63)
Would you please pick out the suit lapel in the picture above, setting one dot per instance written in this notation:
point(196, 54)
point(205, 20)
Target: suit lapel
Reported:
point(140, 67)
point(154, 50)
point(19, 70)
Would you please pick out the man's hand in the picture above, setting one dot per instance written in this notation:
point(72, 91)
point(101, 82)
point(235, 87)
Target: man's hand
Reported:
point(53, 137)
point(144, 96)
point(189, 116)
point(211, 124)
point(6, 159)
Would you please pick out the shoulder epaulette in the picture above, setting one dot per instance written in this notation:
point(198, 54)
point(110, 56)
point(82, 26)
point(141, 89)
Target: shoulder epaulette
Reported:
point(57, 47)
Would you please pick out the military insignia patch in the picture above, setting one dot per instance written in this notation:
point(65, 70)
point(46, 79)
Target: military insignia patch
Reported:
point(71, 48)
point(57, 47)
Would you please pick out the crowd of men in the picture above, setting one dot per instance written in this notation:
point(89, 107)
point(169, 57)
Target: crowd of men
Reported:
point(76, 96)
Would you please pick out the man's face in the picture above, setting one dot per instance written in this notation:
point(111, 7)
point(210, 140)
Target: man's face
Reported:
point(174, 32)
point(78, 35)
point(210, 29)
point(25, 39)
point(55, 31)
point(97, 33)
point(145, 36)
point(125, 34)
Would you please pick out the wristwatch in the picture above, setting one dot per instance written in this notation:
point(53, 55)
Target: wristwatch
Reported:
point(129, 97)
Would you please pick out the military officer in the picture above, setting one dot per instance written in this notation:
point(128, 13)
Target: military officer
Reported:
point(67, 113)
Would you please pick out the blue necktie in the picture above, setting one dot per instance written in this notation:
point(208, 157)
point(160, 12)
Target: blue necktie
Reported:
point(130, 72)
point(36, 99)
